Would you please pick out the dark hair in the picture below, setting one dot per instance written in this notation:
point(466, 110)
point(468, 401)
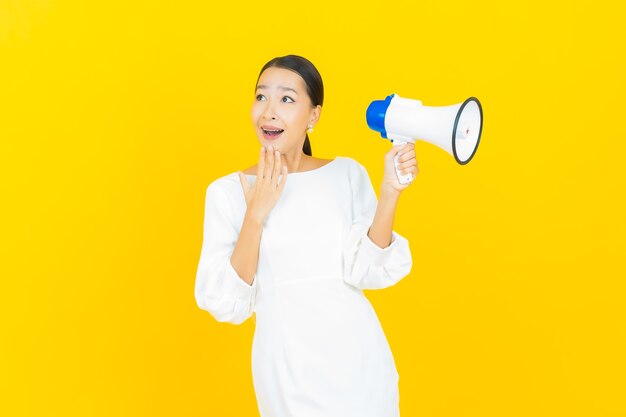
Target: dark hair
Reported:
point(311, 77)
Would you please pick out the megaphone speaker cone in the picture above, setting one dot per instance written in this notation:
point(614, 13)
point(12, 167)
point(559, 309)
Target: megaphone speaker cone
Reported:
point(467, 130)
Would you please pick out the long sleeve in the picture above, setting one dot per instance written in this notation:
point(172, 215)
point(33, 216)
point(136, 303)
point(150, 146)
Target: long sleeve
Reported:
point(219, 289)
point(366, 265)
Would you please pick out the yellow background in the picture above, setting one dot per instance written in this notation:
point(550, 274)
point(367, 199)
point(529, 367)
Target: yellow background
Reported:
point(116, 115)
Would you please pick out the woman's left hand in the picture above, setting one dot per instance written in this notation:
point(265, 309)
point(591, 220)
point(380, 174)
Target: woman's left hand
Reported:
point(406, 164)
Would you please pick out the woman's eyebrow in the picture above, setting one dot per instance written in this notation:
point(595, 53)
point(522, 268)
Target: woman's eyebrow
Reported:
point(280, 87)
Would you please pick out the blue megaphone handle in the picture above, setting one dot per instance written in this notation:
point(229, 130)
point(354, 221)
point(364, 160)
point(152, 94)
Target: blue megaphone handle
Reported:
point(375, 115)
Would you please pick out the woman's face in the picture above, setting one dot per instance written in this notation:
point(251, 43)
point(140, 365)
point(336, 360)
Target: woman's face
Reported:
point(282, 104)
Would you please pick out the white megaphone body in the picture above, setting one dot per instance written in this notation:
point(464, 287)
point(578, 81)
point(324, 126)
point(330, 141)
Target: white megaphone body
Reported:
point(456, 128)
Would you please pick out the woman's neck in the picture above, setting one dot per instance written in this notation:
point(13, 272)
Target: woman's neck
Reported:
point(297, 162)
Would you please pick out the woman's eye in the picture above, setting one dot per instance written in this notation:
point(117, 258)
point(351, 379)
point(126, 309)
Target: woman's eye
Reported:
point(260, 95)
point(289, 99)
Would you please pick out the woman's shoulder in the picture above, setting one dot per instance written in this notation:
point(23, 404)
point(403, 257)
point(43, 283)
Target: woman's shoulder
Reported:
point(353, 165)
point(227, 183)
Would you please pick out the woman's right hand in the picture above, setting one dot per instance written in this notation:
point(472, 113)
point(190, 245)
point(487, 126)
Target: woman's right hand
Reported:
point(263, 195)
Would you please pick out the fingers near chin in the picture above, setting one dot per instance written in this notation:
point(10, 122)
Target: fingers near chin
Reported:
point(269, 163)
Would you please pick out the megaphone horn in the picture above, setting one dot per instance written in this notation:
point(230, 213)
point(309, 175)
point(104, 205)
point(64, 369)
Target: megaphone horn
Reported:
point(456, 128)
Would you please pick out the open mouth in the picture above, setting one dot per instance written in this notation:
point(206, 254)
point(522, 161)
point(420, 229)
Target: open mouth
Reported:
point(272, 133)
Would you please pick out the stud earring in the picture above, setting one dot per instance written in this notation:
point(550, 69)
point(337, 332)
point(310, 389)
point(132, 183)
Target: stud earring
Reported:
point(310, 129)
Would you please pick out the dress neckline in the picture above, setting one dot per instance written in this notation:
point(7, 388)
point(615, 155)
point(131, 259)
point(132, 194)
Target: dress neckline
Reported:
point(304, 172)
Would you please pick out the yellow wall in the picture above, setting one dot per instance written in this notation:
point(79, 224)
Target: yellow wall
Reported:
point(115, 115)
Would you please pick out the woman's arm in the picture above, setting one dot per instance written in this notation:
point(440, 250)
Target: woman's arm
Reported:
point(375, 256)
point(245, 257)
point(218, 288)
point(382, 225)
point(260, 200)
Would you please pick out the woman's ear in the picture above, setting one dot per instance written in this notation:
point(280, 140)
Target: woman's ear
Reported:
point(315, 116)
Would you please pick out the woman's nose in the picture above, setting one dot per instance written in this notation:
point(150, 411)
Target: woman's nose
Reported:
point(268, 112)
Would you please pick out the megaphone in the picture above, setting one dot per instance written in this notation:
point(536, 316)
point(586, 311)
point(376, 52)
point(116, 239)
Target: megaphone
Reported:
point(456, 128)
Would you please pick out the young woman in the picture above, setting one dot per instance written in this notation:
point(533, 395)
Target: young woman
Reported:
point(295, 239)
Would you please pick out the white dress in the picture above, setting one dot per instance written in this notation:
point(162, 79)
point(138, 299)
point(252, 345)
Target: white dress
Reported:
point(318, 348)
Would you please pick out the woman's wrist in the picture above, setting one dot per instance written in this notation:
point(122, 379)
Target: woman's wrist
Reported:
point(253, 220)
point(389, 193)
